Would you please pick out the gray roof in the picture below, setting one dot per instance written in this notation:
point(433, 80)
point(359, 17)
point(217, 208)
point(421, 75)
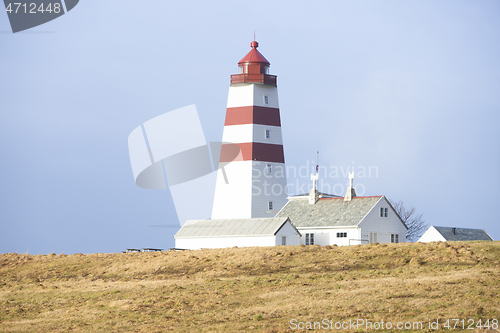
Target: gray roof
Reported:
point(463, 234)
point(328, 212)
point(232, 227)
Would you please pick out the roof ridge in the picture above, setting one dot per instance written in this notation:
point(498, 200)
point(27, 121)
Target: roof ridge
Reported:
point(362, 197)
point(440, 226)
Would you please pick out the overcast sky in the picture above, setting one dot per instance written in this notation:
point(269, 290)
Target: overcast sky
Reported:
point(409, 88)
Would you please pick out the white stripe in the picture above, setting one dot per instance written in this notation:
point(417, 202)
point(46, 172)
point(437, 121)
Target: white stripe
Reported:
point(252, 94)
point(252, 133)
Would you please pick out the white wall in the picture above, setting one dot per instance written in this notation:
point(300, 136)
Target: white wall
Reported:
point(238, 133)
point(233, 200)
point(259, 134)
point(328, 236)
point(268, 187)
point(260, 90)
point(431, 235)
point(292, 237)
point(249, 190)
point(196, 243)
point(383, 226)
point(252, 133)
point(252, 94)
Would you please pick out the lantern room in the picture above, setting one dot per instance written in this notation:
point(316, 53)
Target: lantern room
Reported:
point(253, 68)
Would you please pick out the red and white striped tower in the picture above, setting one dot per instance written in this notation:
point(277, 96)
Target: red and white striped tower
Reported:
point(253, 185)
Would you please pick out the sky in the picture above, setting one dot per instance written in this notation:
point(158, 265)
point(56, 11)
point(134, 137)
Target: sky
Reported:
point(406, 89)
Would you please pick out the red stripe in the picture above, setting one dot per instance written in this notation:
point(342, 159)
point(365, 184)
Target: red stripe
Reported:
point(266, 152)
point(236, 152)
point(253, 115)
point(252, 151)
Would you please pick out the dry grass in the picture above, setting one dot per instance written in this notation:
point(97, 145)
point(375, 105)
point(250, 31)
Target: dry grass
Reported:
point(244, 289)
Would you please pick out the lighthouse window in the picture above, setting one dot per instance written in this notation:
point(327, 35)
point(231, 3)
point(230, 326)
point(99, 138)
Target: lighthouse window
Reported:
point(266, 99)
point(270, 205)
point(268, 134)
point(269, 168)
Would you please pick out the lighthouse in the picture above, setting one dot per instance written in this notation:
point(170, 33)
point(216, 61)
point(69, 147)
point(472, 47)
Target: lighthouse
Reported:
point(254, 184)
point(250, 206)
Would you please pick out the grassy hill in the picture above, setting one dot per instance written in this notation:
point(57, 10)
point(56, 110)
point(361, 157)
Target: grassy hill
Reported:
point(243, 289)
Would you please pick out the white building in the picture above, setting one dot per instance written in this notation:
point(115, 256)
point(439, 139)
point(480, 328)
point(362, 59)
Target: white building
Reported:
point(348, 220)
point(251, 180)
point(212, 234)
point(444, 234)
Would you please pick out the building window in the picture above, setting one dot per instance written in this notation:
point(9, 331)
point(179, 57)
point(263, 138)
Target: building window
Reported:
point(269, 168)
point(270, 205)
point(383, 212)
point(394, 238)
point(373, 237)
point(283, 240)
point(268, 134)
point(341, 234)
point(266, 99)
point(309, 239)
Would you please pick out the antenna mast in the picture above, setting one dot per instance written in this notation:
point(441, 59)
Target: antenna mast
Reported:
point(317, 162)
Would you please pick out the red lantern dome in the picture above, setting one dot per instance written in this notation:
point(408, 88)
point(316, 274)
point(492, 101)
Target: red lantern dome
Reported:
point(254, 68)
point(254, 56)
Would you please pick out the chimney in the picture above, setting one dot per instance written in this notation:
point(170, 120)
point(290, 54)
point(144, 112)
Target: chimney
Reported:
point(314, 194)
point(351, 193)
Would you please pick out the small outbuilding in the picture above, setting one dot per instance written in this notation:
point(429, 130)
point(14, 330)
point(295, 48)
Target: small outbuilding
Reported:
point(223, 233)
point(444, 234)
